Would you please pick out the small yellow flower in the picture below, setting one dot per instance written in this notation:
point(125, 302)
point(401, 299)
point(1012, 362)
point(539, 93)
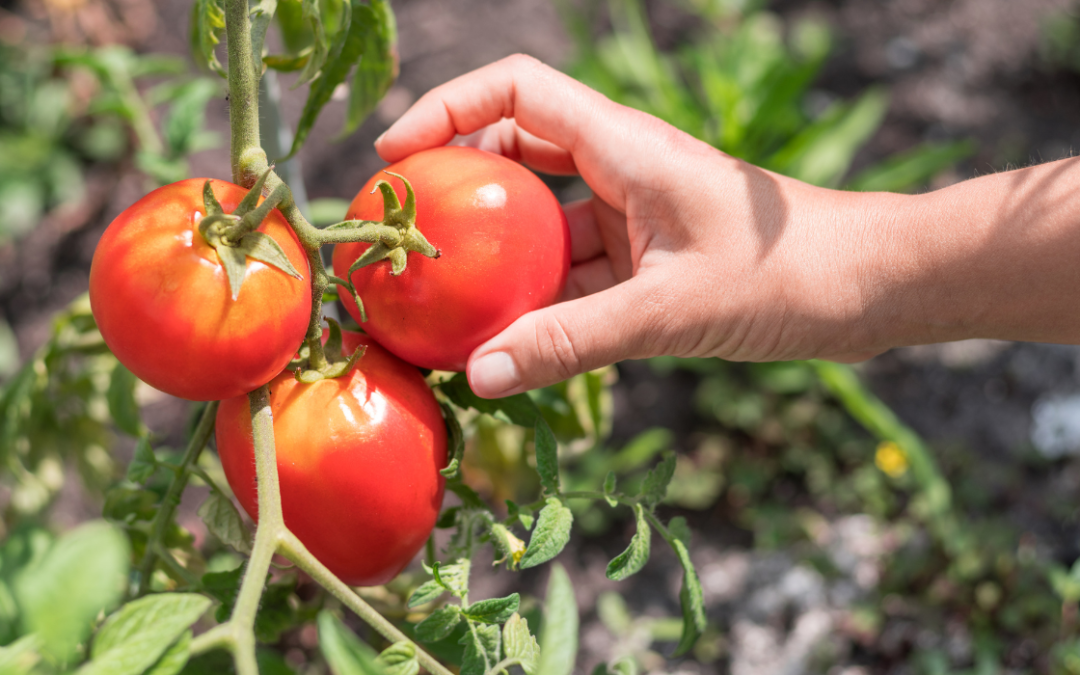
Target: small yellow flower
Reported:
point(891, 459)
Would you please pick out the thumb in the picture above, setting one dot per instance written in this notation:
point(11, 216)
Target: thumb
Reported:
point(558, 342)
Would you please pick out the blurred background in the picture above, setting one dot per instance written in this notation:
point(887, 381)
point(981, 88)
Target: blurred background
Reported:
point(829, 537)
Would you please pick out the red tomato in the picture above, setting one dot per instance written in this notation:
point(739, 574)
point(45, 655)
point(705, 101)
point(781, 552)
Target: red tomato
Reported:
point(161, 298)
point(505, 252)
point(358, 459)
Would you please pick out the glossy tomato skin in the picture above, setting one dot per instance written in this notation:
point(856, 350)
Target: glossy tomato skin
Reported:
point(505, 251)
point(161, 298)
point(358, 460)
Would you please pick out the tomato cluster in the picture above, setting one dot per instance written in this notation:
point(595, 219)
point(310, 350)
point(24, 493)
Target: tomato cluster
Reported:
point(358, 454)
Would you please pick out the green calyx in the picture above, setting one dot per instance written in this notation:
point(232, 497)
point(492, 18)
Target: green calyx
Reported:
point(391, 239)
point(337, 363)
point(234, 236)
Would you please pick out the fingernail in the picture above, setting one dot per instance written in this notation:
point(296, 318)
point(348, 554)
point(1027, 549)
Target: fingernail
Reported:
point(493, 374)
point(381, 136)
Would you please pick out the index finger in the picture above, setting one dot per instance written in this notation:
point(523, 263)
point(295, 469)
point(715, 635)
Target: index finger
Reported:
point(610, 144)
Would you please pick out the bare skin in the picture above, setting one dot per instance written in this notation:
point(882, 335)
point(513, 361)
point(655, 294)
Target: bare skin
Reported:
point(683, 250)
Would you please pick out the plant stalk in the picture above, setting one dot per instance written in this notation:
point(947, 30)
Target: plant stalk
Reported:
point(243, 91)
point(171, 500)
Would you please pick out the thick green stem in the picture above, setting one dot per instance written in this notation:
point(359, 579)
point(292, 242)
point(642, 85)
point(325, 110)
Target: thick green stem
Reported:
point(243, 90)
point(294, 550)
point(171, 500)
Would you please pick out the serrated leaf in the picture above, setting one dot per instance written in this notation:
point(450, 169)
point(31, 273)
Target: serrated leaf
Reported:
point(309, 10)
point(551, 534)
point(223, 586)
point(455, 441)
point(655, 486)
point(518, 409)
point(399, 659)
point(520, 645)
point(135, 637)
point(378, 66)
point(427, 592)
point(143, 463)
point(547, 456)
point(80, 576)
point(121, 397)
point(262, 13)
point(265, 249)
point(207, 27)
point(347, 48)
point(224, 522)
point(439, 624)
point(126, 505)
point(691, 599)
point(609, 489)
point(559, 639)
point(523, 516)
point(494, 610)
point(636, 555)
point(481, 649)
point(345, 653)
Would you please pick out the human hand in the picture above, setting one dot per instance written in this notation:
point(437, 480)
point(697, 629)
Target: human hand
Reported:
point(682, 249)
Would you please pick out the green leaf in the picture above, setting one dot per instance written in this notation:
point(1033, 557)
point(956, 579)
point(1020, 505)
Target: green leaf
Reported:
point(135, 637)
point(654, 488)
point(20, 657)
point(518, 409)
point(547, 456)
point(678, 528)
point(822, 153)
point(481, 649)
point(910, 170)
point(175, 657)
point(288, 63)
point(427, 592)
point(347, 48)
point(399, 659)
point(551, 534)
point(378, 66)
point(439, 624)
point(455, 441)
point(636, 555)
point(559, 638)
point(263, 248)
point(126, 505)
point(455, 577)
point(309, 9)
point(223, 586)
point(207, 27)
point(224, 522)
point(494, 610)
point(515, 512)
point(519, 644)
point(609, 490)
point(144, 463)
point(262, 13)
point(83, 574)
point(691, 599)
point(121, 396)
point(345, 653)
point(184, 124)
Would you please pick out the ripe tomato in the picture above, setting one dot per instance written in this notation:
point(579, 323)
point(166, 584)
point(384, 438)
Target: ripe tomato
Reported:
point(505, 252)
point(161, 298)
point(358, 460)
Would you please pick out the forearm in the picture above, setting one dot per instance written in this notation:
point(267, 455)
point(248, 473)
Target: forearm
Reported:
point(993, 257)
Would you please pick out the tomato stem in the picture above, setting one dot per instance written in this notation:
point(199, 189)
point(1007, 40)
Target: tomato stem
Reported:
point(171, 500)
